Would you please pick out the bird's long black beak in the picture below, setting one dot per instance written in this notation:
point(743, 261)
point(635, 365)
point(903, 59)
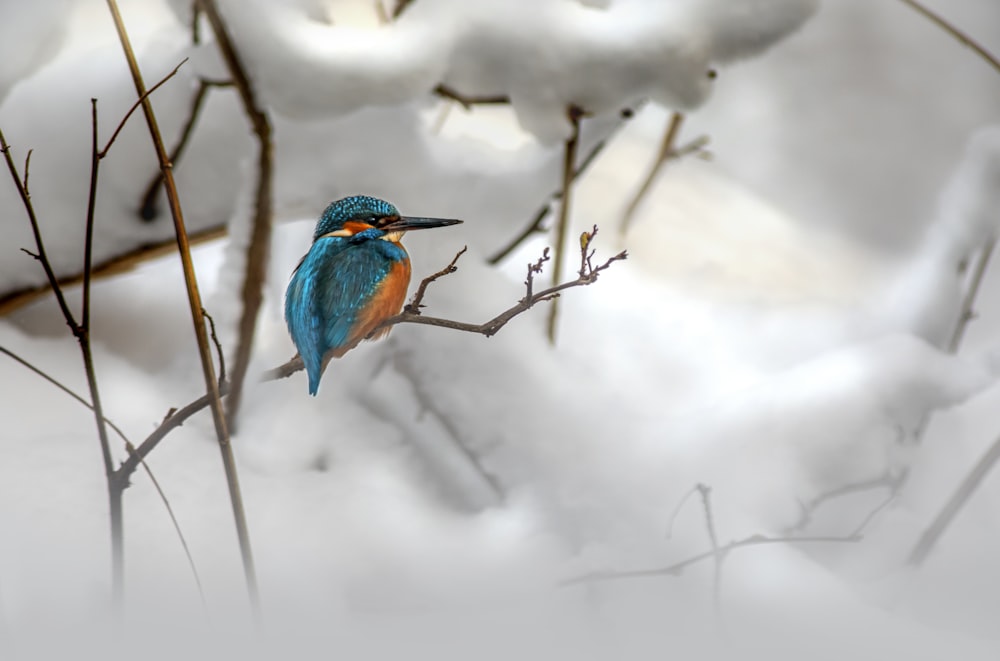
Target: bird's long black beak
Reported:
point(410, 223)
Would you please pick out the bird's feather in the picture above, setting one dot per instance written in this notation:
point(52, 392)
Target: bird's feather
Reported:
point(328, 305)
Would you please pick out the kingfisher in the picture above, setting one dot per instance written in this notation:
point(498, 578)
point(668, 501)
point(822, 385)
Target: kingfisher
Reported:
point(353, 278)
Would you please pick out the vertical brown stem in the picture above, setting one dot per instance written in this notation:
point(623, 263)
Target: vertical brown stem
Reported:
point(194, 300)
point(665, 153)
point(569, 161)
point(260, 235)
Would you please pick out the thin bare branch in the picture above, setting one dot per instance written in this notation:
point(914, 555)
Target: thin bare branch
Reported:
point(27, 170)
point(493, 326)
point(466, 101)
point(136, 105)
point(574, 114)
point(954, 505)
point(218, 345)
point(967, 310)
point(88, 245)
point(174, 419)
point(718, 555)
point(113, 266)
point(417, 301)
point(665, 153)
point(677, 510)
point(148, 208)
point(33, 219)
point(960, 36)
point(678, 567)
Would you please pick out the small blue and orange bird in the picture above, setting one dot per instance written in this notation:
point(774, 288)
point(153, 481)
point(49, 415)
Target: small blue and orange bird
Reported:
point(353, 278)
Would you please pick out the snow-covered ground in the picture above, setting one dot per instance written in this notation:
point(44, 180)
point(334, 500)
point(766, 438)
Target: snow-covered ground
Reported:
point(774, 335)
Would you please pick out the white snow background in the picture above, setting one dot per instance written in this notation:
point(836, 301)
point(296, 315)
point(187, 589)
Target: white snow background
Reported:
point(776, 334)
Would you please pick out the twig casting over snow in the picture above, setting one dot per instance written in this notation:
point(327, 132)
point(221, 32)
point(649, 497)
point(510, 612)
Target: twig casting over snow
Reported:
point(258, 249)
point(198, 320)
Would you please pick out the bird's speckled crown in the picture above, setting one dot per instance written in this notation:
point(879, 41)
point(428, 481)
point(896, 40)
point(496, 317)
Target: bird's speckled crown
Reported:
point(361, 208)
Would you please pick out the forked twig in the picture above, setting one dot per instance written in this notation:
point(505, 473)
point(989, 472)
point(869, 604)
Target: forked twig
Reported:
point(417, 301)
point(130, 449)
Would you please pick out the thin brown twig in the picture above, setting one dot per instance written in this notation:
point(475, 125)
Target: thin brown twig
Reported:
point(113, 266)
point(194, 300)
point(960, 36)
point(27, 170)
point(954, 505)
point(467, 101)
point(195, 23)
point(967, 311)
point(36, 231)
point(665, 153)
point(677, 510)
point(574, 114)
point(148, 208)
point(417, 301)
point(718, 555)
point(678, 567)
point(136, 105)
point(218, 345)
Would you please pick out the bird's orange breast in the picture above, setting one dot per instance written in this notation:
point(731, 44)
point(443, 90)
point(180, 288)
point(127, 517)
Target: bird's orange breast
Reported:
point(386, 302)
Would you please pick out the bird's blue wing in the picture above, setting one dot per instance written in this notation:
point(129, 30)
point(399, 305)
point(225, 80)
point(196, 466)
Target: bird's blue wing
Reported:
point(332, 283)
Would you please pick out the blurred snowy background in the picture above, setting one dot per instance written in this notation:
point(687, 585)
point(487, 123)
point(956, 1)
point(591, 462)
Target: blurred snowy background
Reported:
point(779, 333)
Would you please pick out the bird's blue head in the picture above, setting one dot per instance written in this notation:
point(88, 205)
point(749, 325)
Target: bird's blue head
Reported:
point(360, 213)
